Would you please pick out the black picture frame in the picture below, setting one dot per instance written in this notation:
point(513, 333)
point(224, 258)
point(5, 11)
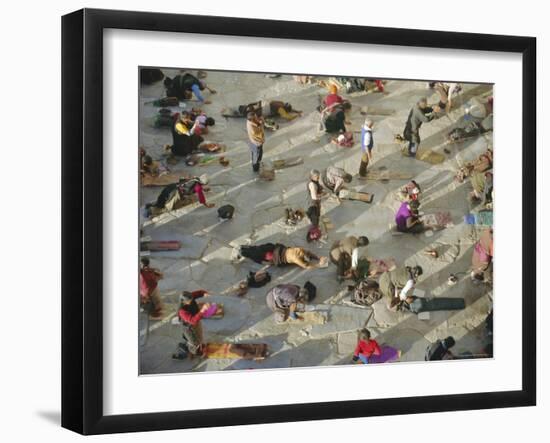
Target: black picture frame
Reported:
point(82, 220)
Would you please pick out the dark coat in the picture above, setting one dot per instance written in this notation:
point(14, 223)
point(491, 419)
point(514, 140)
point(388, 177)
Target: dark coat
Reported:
point(415, 119)
point(181, 84)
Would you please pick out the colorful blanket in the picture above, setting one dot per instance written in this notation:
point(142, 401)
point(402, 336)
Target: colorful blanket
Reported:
point(387, 355)
point(250, 351)
point(437, 220)
point(482, 218)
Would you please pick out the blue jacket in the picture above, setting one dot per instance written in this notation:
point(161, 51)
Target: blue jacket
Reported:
point(367, 140)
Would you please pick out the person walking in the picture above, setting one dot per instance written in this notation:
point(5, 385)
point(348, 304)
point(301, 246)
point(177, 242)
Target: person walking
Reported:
point(256, 139)
point(314, 193)
point(367, 143)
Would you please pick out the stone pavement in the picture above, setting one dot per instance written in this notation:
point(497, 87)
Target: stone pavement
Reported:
point(204, 260)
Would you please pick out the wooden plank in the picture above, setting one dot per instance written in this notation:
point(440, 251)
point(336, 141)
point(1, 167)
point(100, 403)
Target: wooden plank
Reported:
point(386, 175)
point(346, 194)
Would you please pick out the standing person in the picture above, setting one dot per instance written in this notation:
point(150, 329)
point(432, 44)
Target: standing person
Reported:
point(366, 347)
point(256, 139)
point(345, 254)
point(149, 291)
point(190, 316)
point(314, 193)
point(284, 300)
point(396, 285)
point(482, 255)
point(420, 113)
point(367, 143)
point(407, 219)
point(334, 179)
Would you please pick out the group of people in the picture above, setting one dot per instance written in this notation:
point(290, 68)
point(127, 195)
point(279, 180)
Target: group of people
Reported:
point(348, 255)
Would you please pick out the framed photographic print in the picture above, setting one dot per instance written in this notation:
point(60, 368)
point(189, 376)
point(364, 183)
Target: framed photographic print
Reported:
point(273, 221)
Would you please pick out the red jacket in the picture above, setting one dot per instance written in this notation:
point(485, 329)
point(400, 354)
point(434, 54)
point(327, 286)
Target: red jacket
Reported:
point(367, 348)
point(148, 281)
point(186, 316)
point(332, 99)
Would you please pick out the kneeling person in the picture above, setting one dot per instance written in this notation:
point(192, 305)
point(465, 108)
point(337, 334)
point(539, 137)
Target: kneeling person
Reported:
point(407, 219)
point(334, 179)
point(345, 254)
point(397, 285)
point(286, 299)
point(366, 347)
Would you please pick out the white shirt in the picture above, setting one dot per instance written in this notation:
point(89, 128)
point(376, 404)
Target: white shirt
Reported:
point(313, 191)
point(404, 292)
point(452, 87)
point(356, 255)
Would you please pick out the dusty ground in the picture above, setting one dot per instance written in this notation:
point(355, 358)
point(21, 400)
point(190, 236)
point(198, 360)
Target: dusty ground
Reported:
point(204, 261)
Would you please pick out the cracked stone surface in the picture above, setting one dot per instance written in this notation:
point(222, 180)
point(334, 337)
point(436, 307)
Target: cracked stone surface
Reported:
point(204, 261)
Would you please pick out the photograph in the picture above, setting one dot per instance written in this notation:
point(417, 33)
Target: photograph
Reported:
point(291, 221)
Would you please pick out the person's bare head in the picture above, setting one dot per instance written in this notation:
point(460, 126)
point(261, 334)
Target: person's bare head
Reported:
point(348, 178)
point(369, 123)
point(303, 296)
point(147, 160)
point(449, 342)
point(364, 334)
point(422, 103)
point(414, 205)
point(145, 262)
point(346, 105)
point(417, 271)
point(314, 174)
point(186, 298)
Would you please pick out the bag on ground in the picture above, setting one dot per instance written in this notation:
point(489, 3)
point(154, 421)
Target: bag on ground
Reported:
point(314, 233)
point(226, 212)
point(258, 279)
point(366, 292)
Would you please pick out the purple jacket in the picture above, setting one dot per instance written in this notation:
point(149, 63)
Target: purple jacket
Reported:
point(402, 215)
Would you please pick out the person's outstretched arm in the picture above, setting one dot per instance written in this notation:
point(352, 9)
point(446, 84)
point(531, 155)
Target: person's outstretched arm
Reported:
point(197, 91)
